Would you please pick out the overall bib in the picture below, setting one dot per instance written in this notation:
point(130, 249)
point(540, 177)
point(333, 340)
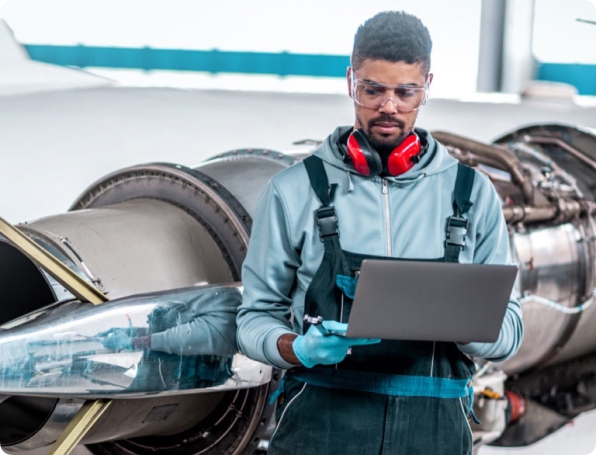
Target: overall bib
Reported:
point(395, 397)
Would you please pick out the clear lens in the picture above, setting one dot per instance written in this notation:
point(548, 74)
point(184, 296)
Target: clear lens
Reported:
point(373, 96)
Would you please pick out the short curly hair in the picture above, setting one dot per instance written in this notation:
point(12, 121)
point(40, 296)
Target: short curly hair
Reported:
point(394, 36)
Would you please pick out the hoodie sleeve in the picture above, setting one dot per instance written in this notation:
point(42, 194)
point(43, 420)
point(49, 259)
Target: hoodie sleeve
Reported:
point(268, 276)
point(211, 330)
point(492, 247)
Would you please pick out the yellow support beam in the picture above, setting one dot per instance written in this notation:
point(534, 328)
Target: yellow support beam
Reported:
point(86, 417)
point(81, 423)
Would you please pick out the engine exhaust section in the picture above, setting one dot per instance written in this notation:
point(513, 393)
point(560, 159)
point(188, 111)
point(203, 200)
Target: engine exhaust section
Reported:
point(166, 243)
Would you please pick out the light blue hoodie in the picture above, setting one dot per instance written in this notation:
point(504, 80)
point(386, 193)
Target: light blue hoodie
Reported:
point(402, 217)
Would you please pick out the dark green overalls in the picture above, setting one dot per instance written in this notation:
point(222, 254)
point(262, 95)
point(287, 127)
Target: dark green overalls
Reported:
point(395, 397)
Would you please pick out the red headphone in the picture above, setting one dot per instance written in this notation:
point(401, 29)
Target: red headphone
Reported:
point(367, 161)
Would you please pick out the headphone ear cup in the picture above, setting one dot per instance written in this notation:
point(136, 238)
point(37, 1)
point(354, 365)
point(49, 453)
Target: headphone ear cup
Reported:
point(365, 159)
point(405, 155)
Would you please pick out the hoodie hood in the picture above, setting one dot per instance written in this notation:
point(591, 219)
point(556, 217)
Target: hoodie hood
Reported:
point(435, 160)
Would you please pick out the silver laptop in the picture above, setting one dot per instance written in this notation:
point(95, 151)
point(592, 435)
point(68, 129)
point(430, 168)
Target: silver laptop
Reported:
point(433, 301)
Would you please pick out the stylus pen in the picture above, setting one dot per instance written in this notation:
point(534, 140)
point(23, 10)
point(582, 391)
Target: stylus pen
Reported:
point(318, 323)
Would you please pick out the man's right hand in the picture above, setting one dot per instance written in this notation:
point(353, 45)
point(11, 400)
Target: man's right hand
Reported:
point(314, 348)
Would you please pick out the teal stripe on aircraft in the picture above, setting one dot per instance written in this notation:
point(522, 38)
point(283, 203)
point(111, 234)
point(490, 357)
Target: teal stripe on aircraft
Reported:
point(582, 76)
point(213, 61)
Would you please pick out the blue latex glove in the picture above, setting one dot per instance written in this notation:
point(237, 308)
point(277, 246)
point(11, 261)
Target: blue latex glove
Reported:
point(116, 339)
point(314, 348)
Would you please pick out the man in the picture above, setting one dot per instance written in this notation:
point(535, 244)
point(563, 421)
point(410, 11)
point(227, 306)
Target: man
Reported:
point(379, 189)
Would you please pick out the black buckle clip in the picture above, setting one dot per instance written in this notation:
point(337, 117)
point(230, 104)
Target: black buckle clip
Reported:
point(457, 228)
point(327, 222)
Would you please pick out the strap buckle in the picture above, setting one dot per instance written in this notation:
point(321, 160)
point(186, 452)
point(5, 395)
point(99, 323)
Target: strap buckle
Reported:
point(457, 228)
point(327, 222)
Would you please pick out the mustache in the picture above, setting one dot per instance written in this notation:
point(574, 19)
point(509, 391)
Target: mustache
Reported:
point(386, 119)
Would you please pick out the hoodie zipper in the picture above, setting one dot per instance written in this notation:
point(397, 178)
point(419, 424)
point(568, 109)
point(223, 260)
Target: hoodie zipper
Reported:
point(387, 219)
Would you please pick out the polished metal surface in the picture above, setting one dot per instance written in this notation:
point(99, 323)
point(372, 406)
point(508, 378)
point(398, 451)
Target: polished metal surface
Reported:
point(79, 350)
point(556, 256)
point(245, 172)
point(156, 227)
point(63, 413)
point(204, 200)
point(136, 246)
point(545, 176)
point(549, 266)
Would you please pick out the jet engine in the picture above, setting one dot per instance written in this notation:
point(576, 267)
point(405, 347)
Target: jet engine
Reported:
point(158, 240)
point(546, 177)
point(165, 244)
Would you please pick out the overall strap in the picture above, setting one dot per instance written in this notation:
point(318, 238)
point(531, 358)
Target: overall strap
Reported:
point(325, 215)
point(457, 225)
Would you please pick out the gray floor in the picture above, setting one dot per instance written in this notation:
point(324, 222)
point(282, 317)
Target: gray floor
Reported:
point(577, 438)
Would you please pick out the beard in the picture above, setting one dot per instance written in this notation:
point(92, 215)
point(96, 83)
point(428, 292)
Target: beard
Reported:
point(384, 144)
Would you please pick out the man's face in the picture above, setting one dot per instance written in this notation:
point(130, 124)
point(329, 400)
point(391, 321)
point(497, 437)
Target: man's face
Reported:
point(386, 126)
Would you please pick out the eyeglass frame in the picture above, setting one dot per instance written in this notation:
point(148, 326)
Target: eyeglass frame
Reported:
point(355, 81)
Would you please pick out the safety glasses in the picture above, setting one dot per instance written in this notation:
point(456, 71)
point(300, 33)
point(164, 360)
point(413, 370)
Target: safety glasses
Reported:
point(374, 95)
